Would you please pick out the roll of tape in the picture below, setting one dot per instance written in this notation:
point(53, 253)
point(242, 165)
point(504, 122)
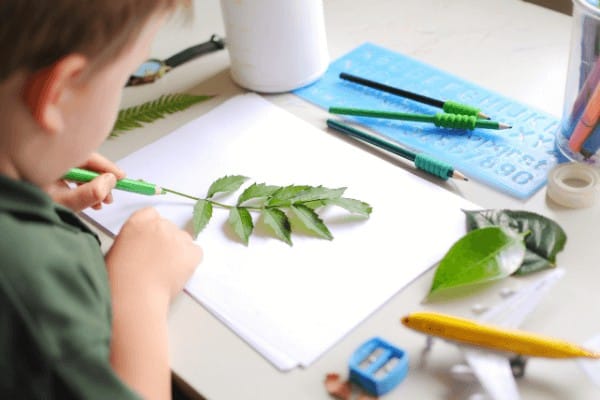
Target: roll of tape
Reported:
point(573, 185)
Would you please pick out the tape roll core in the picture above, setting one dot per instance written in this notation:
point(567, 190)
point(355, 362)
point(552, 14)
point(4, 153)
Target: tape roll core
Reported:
point(573, 185)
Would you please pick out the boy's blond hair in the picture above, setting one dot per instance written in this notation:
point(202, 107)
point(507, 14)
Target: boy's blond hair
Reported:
point(35, 34)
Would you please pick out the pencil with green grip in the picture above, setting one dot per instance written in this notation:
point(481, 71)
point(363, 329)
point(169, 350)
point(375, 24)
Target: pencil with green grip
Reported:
point(444, 120)
point(128, 185)
point(421, 161)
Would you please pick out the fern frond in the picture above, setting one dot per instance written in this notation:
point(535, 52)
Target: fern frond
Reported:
point(135, 117)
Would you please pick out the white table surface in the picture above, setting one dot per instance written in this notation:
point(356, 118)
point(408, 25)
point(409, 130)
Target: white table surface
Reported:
point(515, 48)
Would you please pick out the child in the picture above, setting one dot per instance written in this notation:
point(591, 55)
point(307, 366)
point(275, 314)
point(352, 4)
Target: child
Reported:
point(72, 323)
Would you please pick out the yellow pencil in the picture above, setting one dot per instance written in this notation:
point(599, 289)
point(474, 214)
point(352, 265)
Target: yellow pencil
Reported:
point(495, 338)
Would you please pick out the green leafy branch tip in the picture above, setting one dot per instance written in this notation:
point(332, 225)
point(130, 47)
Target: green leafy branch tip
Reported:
point(134, 117)
point(277, 207)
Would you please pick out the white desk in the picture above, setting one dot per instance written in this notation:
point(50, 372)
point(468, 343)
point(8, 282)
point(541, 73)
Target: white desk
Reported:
point(512, 47)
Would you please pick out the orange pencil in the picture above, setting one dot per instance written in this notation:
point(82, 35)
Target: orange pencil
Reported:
point(587, 122)
point(586, 89)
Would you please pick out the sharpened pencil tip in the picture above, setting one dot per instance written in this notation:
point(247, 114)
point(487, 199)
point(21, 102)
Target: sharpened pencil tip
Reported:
point(458, 175)
point(482, 116)
point(504, 126)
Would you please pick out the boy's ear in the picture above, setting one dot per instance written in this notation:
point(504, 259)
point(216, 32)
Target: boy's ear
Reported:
point(45, 89)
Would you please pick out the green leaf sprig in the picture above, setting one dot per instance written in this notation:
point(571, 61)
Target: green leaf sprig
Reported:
point(134, 117)
point(499, 243)
point(275, 204)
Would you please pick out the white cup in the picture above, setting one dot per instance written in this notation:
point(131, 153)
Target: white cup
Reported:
point(275, 45)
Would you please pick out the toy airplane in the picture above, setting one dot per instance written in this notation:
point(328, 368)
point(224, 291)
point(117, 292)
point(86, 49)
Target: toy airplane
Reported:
point(488, 348)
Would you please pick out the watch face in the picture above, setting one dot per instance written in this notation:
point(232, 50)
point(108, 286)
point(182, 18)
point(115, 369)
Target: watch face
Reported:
point(148, 68)
point(148, 72)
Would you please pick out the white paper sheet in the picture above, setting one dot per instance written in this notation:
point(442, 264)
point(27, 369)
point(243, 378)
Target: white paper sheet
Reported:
point(293, 303)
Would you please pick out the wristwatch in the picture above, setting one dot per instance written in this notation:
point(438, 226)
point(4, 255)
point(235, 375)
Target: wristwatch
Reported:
point(154, 68)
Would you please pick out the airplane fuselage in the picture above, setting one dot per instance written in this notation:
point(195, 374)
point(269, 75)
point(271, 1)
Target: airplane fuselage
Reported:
point(472, 333)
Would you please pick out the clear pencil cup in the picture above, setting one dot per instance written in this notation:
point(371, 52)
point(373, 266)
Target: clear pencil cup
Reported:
point(578, 136)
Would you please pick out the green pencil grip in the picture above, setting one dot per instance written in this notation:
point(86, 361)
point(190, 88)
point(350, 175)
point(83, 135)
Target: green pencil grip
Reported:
point(433, 166)
point(452, 107)
point(455, 121)
point(128, 185)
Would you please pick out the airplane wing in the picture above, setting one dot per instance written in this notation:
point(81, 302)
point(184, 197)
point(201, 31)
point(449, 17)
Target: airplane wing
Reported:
point(491, 369)
point(511, 312)
point(493, 372)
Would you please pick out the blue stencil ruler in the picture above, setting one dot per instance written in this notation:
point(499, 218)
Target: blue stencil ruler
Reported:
point(515, 161)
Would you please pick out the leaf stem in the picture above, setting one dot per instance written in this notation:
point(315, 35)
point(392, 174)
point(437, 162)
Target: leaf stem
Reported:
point(214, 203)
point(180, 194)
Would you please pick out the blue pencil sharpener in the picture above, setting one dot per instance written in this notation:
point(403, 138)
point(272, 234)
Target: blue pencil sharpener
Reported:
point(378, 366)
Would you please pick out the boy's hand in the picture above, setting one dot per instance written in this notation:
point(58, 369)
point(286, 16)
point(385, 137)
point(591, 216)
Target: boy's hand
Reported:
point(151, 257)
point(90, 194)
point(148, 264)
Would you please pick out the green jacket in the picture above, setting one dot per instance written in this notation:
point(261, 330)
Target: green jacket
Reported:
point(55, 307)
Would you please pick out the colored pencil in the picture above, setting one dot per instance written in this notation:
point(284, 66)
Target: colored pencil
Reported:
point(446, 120)
point(448, 105)
point(420, 160)
point(128, 185)
point(587, 122)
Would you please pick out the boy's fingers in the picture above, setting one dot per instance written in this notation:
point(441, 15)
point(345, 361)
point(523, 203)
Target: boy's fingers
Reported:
point(98, 163)
point(91, 194)
point(108, 199)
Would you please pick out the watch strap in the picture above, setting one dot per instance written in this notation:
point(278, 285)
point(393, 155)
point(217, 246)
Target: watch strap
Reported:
point(214, 43)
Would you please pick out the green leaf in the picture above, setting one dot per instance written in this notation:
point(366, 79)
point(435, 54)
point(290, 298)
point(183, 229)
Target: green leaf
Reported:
point(255, 191)
point(311, 221)
point(313, 205)
point(317, 193)
point(545, 241)
point(240, 221)
point(283, 196)
point(480, 256)
point(279, 223)
point(532, 263)
point(202, 213)
point(226, 184)
point(352, 205)
point(135, 117)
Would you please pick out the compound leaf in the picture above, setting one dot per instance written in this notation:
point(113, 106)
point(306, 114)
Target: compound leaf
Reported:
point(135, 117)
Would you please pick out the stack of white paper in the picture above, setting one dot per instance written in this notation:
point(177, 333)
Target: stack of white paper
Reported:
point(293, 303)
